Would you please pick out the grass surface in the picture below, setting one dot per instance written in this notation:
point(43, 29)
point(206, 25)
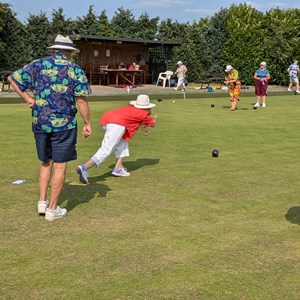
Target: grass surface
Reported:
point(184, 225)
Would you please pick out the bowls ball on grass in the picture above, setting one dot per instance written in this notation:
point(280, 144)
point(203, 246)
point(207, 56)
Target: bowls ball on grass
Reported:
point(215, 153)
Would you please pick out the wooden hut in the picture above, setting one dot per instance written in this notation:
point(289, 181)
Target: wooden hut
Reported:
point(100, 53)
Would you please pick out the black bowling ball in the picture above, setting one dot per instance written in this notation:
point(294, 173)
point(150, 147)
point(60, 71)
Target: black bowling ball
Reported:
point(215, 153)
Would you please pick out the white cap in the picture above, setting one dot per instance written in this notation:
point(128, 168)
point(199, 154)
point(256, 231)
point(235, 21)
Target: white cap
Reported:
point(263, 63)
point(228, 68)
point(179, 62)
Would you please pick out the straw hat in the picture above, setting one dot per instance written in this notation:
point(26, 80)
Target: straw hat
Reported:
point(63, 43)
point(142, 101)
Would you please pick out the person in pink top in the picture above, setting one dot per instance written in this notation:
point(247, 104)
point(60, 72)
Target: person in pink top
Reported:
point(120, 126)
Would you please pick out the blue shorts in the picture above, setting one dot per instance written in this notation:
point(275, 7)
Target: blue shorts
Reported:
point(57, 146)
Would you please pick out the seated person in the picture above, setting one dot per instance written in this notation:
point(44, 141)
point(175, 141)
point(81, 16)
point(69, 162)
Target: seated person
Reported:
point(132, 67)
point(122, 66)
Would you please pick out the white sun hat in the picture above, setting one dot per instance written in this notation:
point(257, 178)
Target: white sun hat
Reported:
point(228, 68)
point(63, 43)
point(179, 62)
point(142, 101)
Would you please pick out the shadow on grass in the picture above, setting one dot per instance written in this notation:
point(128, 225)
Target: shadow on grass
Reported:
point(77, 194)
point(237, 108)
point(141, 162)
point(293, 215)
point(129, 165)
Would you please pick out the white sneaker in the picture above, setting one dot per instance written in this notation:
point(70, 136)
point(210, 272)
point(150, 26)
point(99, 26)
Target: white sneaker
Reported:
point(120, 172)
point(298, 91)
point(256, 104)
point(289, 90)
point(83, 174)
point(52, 215)
point(264, 105)
point(42, 206)
point(175, 89)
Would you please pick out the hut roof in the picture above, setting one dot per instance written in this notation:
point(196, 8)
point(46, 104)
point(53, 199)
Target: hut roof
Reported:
point(99, 38)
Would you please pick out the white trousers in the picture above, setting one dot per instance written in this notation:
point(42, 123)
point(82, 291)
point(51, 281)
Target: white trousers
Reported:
point(112, 141)
point(180, 81)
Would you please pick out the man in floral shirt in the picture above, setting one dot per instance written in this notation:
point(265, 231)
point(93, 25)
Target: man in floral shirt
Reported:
point(58, 86)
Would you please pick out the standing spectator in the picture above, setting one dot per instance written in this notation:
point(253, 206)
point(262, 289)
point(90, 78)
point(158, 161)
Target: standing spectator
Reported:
point(180, 73)
point(293, 71)
point(57, 85)
point(234, 85)
point(261, 77)
point(120, 125)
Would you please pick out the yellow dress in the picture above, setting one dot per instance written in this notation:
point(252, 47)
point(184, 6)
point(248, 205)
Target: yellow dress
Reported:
point(234, 87)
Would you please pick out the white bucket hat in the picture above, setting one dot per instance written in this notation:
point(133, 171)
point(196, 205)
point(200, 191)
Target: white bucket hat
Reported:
point(142, 101)
point(179, 62)
point(228, 68)
point(64, 43)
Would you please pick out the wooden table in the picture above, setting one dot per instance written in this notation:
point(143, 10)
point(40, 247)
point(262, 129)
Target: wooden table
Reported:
point(128, 75)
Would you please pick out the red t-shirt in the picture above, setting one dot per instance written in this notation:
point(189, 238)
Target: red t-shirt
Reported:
point(130, 117)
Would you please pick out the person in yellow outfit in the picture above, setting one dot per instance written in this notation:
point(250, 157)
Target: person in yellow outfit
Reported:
point(234, 85)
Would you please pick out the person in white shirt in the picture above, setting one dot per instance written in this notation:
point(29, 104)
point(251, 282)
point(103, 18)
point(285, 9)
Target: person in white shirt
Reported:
point(180, 73)
point(293, 71)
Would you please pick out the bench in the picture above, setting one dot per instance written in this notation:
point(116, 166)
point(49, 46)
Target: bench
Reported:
point(219, 78)
point(209, 78)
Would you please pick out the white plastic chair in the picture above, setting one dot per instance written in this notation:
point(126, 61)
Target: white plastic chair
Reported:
point(164, 76)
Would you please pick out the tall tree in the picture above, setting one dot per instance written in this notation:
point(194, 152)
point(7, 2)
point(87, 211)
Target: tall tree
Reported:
point(4, 8)
point(59, 23)
point(88, 24)
point(189, 52)
point(105, 27)
point(244, 46)
point(211, 42)
point(123, 23)
point(282, 42)
point(168, 30)
point(13, 52)
point(38, 35)
point(146, 28)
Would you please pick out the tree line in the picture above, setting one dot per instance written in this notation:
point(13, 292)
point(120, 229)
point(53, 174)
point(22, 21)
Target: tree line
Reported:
point(239, 35)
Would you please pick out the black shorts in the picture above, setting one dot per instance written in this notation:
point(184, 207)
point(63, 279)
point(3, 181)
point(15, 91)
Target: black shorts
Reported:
point(57, 146)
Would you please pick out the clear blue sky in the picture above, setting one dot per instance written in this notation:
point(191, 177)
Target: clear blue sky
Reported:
point(182, 11)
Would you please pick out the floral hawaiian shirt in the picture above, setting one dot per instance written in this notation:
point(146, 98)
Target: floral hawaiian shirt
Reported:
point(55, 83)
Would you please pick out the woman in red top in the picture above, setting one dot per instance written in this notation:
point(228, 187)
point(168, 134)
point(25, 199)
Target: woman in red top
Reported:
point(120, 126)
